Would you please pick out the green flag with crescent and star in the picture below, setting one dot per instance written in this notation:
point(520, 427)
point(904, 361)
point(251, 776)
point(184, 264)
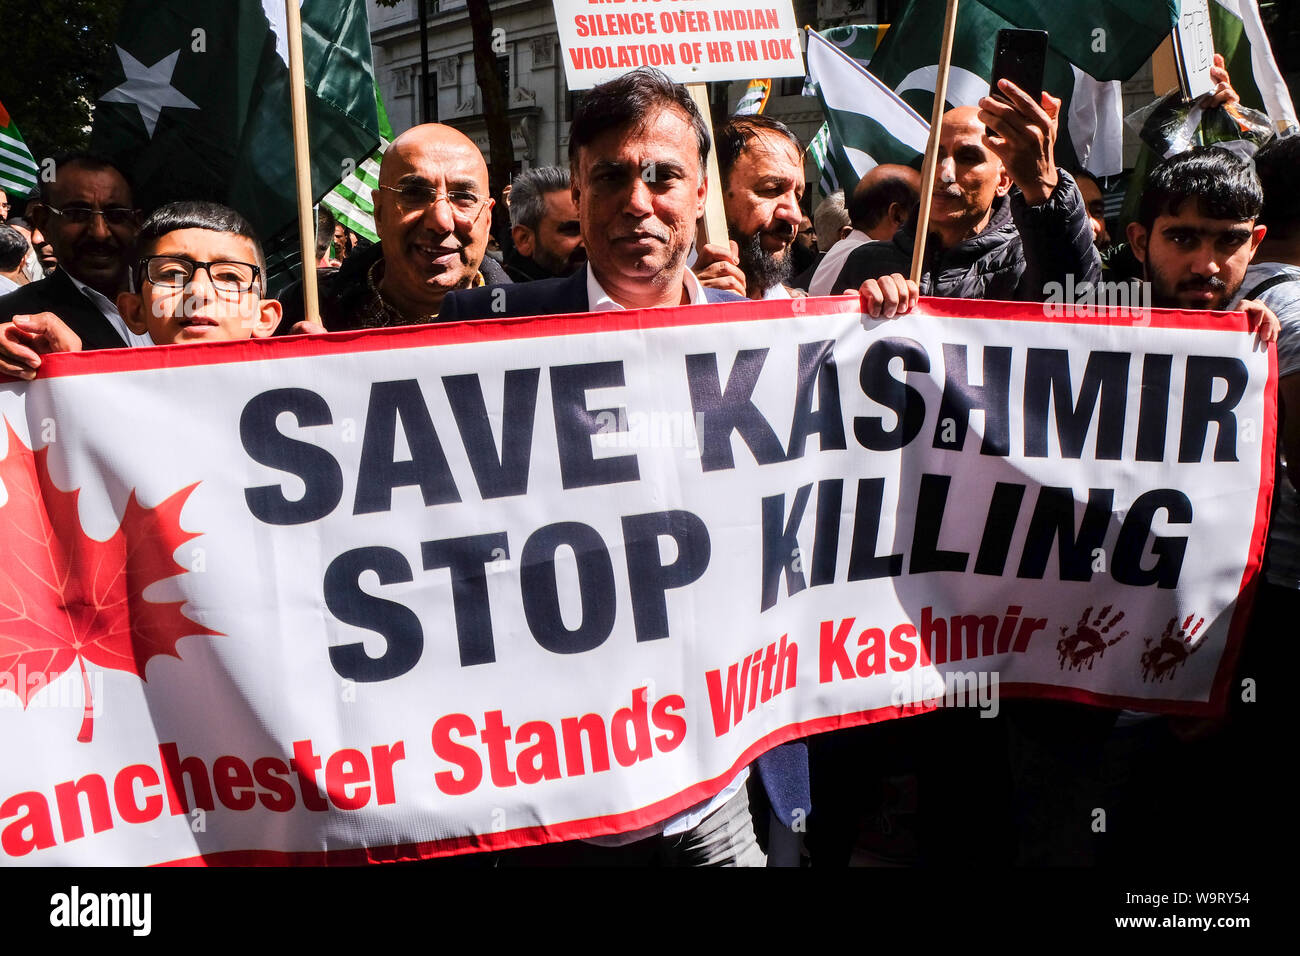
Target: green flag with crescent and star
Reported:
point(197, 105)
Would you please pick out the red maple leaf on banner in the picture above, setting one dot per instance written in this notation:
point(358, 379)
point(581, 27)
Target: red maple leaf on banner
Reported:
point(66, 598)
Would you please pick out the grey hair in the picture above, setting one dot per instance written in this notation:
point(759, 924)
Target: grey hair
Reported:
point(829, 218)
point(529, 190)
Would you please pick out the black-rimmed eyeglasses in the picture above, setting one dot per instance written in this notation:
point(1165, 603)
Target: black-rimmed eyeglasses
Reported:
point(175, 272)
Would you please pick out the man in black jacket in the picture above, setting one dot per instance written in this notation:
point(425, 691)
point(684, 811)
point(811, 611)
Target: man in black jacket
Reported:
point(543, 226)
point(1005, 220)
point(87, 214)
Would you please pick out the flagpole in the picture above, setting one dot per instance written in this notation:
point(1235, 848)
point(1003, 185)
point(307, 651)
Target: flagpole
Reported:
point(713, 227)
point(302, 162)
point(932, 146)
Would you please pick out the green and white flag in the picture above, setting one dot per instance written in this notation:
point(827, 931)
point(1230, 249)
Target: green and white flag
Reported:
point(1091, 129)
point(350, 200)
point(17, 166)
point(1108, 39)
point(819, 148)
point(1239, 35)
point(754, 98)
point(198, 104)
point(866, 121)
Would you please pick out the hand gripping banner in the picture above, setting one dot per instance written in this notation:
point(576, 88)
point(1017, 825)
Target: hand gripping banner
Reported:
point(409, 593)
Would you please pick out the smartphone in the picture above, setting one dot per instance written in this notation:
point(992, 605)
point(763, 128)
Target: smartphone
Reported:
point(1019, 57)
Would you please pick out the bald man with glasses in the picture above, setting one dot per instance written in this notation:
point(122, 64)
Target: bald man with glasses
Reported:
point(433, 214)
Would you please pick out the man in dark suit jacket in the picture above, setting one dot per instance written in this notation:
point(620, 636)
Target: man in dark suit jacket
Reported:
point(542, 297)
point(87, 213)
point(638, 149)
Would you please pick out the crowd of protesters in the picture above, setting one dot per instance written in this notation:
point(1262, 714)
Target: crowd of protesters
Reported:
point(84, 270)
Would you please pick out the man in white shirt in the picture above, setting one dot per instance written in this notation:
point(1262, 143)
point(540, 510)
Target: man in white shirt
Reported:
point(88, 215)
point(638, 151)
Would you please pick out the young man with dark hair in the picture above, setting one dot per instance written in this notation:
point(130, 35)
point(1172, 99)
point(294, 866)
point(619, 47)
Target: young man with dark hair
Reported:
point(1196, 230)
point(1196, 234)
point(88, 215)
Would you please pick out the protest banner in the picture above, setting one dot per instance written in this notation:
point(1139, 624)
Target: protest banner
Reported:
point(416, 592)
point(696, 41)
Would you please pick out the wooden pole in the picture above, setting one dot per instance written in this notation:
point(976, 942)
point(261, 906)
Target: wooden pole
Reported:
point(302, 163)
point(932, 147)
point(713, 227)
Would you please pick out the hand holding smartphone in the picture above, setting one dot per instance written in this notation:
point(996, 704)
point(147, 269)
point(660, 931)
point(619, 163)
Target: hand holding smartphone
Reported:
point(1020, 56)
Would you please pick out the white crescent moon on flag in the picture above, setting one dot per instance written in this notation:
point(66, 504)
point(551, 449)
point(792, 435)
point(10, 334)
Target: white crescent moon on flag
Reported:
point(964, 87)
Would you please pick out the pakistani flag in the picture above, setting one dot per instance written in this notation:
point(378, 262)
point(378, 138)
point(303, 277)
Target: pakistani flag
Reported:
point(857, 43)
point(866, 122)
point(350, 200)
point(17, 167)
point(198, 102)
point(1239, 36)
point(1091, 130)
point(1109, 39)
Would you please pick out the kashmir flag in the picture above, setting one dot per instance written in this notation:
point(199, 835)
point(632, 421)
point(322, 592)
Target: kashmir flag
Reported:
point(1108, 39)
point(754, 98)
point(17, 166)
point(819, 148)
point(198, 103)
point(1239, 35)
point(1091, 131)
point(350, 200)
point(866, 123)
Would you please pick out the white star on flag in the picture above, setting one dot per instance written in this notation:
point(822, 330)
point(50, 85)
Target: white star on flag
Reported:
point(149, 88)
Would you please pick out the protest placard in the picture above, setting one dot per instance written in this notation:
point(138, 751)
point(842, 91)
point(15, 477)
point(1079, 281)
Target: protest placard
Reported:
point(693, 41)
point(415, 592)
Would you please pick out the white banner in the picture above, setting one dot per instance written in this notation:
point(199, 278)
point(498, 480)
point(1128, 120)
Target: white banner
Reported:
point(693, 41)
point(412, 592)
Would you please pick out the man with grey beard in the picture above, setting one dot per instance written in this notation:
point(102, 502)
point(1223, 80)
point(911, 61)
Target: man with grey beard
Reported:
point(761, 163)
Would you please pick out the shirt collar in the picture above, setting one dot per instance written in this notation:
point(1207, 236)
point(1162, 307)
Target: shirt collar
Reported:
point(379, 312)
point(598, 299)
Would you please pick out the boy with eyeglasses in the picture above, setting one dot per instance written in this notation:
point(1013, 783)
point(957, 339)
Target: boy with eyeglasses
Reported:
point(199, 277)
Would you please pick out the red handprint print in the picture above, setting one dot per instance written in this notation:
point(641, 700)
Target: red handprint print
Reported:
point(1087, 644)
point(1164, 658)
